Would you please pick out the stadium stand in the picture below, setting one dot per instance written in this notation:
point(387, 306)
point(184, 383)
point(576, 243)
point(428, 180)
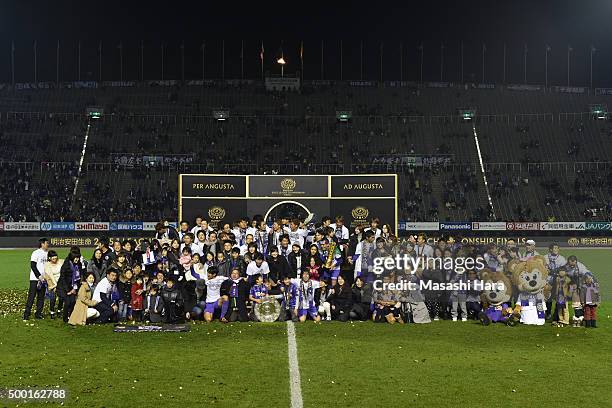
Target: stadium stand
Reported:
point(545, 157)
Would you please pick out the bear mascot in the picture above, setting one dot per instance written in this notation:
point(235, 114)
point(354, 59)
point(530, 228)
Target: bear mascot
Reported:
point(496, 298)
point(531, 278)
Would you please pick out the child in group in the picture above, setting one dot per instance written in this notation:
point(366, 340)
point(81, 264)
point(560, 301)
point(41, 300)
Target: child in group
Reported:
point(173, 302)
point(185, 259)
point(473, 296)
point(124, 286)
point(136, 299)
point(574, 294)
point(590, 298)
point(258, 291)
point(120, 264)
point(560, 293)
point(153, 305)
point(458, 298)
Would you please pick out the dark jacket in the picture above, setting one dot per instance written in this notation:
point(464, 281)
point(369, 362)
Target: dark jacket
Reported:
point(224, 268)
point(292, 258)
point(173, 262)
point(342, 297)
point(279, 268)
point(64, 283)
point(239, 264)
point(173, 304)
point(99, 271)
point(363, 294)
point(239, 302)
point(125, 291)
point(155, 306)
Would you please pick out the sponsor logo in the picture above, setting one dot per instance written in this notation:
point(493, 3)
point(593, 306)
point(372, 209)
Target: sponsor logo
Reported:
point(1, 225)
point(213, 186)
point(91, 226)
point(21, 226)
point(126, 226)
point(455, 226)
point(360, 213)
point(590, 242)
point(562, 226)
point(421, 226)
point(57, 226)
point(489, 226)
point(216, 213)
point(594, 225)
point(288, 184)
point(523, 226)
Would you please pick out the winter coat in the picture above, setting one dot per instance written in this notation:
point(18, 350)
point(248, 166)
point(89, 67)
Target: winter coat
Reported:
point(84, 301)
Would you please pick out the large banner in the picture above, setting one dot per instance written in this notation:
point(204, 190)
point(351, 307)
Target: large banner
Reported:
point(226, 198)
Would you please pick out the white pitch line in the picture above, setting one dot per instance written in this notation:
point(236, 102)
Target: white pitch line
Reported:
point(294, 368)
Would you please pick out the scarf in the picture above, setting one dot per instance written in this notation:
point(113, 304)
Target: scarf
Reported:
point(194, 273)
point(306, 293)
point(76, 274)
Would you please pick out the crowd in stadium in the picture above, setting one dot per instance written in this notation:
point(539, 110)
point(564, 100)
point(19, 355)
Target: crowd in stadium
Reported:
point(321, 271)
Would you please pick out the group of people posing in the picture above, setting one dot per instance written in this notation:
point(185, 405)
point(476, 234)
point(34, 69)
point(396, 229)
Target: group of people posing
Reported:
point(314, 272)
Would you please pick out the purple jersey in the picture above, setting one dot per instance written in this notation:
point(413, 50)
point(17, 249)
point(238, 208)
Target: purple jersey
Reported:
point(259, 291)
point(495, 313)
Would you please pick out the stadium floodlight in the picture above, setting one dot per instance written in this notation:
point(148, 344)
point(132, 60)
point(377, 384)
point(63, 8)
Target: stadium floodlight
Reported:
point(281, 60)
point(95, 112)
point(221, 114)
point(466, 114)
point(344, 115)
point(599, 111)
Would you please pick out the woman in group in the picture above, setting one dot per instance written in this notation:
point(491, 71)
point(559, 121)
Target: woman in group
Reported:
point(362, 300)
point(174, 255)
point(341, 300)
point(314, 253)
point(52, 275)
point(387, 234)
point(97, 266)
point(84, 306)
point(71, 274)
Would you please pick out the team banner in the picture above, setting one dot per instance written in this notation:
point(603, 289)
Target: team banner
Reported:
point(288, 186)
point(212, 185)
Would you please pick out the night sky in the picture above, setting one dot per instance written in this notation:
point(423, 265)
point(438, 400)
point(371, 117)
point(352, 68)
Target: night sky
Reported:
point(283, 25)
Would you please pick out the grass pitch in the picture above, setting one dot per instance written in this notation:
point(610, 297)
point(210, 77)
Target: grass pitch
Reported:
point(442, 364)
